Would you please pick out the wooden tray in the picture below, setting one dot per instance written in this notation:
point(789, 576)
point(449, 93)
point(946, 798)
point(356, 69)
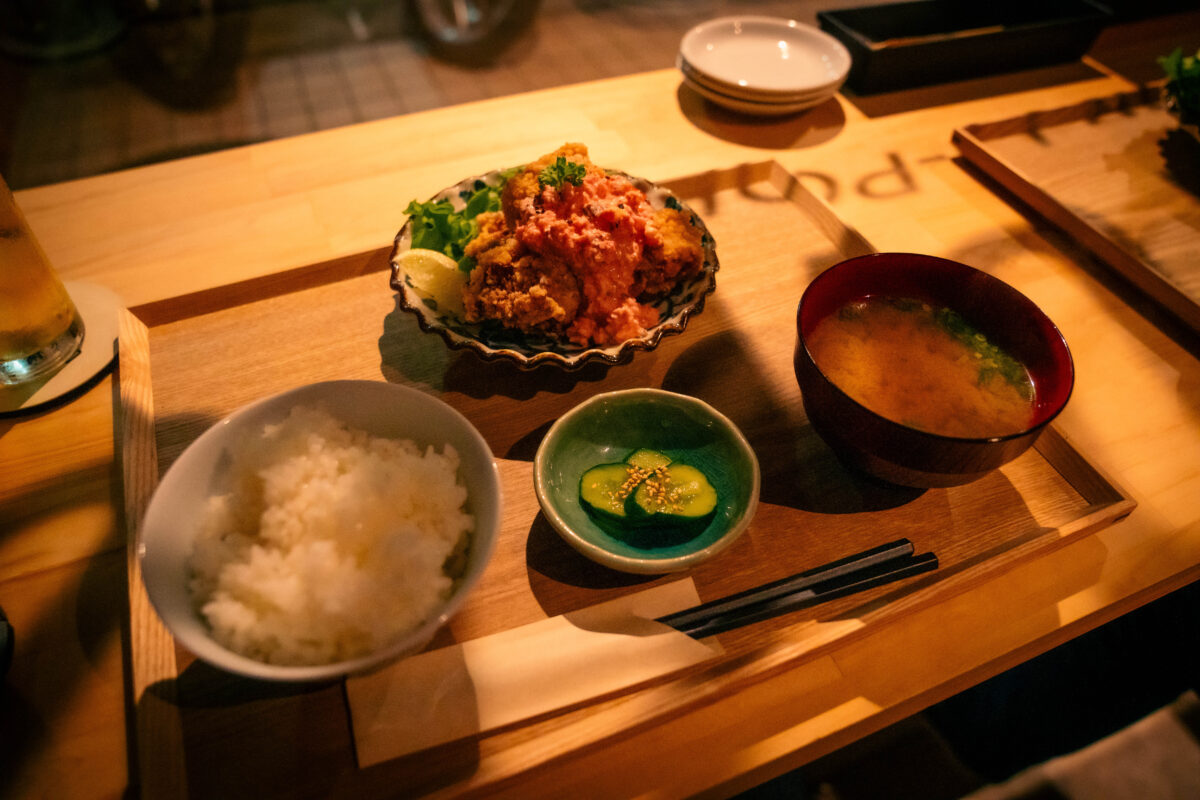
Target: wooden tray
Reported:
point(204, 733)
point(1116, 174)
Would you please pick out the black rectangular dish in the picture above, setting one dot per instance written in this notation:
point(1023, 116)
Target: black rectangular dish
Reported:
point(901, 45)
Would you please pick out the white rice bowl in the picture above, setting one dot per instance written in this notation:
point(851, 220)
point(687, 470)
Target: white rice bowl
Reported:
point(321, 532)
point(331, 544)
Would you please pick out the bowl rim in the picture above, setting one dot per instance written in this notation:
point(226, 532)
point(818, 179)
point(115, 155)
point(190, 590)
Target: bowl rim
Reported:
point(1041, 424)
point(193, 632)
point(692, 46)
point(647, 565)
point(613, 354)
point(749, 106)
point(692, 75)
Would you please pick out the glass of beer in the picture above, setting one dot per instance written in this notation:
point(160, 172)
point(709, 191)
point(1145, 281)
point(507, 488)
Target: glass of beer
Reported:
point(40, 328)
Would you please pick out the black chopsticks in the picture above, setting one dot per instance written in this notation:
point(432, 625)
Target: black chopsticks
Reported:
point(856, 573)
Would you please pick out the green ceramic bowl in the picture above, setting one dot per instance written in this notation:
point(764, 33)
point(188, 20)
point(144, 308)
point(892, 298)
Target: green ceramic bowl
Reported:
point(610, 426)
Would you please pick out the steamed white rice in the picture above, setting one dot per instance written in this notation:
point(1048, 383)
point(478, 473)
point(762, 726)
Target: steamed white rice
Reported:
point(331, 544)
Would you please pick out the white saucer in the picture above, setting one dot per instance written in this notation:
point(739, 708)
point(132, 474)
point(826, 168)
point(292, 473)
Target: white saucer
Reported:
point(766, 55)
point(98, 306)
point(751, 107)
point(742, 93)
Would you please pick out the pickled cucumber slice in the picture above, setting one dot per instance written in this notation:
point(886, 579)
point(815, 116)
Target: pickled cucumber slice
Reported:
point(606, 488)
point(648, 459)
point(674, 493)
point(649, 500)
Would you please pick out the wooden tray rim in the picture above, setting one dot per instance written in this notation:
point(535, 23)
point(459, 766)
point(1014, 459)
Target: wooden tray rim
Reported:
point(971, 141)
point(158, 753)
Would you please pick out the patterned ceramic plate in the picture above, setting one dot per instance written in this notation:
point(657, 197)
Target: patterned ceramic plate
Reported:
point(493, 342)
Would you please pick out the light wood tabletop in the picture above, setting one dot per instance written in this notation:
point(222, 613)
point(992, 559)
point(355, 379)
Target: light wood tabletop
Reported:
point(211, 231)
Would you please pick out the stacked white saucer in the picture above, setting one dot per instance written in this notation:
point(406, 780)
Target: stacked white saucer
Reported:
point(765, 66)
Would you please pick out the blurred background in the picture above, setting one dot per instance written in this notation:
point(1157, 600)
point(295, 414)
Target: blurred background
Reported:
point(91, 86)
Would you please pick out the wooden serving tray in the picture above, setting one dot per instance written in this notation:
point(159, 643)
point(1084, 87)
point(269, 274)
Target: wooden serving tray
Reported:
point(1115, 173)
point(205, 733)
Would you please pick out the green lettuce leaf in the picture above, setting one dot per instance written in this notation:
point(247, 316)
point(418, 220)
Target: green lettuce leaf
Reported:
point(1183, 83)
point(437, 226)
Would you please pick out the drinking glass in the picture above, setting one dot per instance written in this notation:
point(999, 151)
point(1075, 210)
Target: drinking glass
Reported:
point(40, 328)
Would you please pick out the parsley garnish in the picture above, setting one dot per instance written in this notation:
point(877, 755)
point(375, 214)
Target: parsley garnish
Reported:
point(562, 171)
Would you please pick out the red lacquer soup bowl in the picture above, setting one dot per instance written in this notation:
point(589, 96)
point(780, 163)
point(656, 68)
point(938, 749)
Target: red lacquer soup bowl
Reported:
point(896, 452)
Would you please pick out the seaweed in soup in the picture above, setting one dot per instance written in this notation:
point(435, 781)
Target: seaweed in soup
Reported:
point(923, 366)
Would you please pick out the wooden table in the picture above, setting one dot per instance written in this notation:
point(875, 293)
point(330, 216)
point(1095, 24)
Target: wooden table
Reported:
point(220, 226)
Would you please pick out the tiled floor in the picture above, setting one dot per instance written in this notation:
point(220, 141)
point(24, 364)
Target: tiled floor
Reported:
point(172, 86)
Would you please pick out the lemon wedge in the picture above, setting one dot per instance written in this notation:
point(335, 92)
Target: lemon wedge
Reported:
point(435, 277)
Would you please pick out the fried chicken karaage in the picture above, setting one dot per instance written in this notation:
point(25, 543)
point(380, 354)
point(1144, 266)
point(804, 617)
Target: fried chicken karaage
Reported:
point(577, 250)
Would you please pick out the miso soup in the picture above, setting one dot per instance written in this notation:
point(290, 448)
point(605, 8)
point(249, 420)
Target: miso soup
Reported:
point(924, 367)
